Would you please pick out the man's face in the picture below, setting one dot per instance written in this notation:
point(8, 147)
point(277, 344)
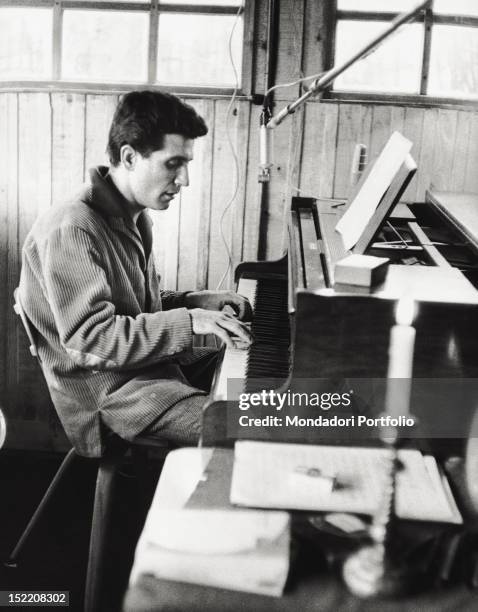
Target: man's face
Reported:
point(155, 180)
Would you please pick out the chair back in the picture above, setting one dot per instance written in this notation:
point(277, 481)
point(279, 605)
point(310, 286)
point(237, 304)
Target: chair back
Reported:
point(29, 329)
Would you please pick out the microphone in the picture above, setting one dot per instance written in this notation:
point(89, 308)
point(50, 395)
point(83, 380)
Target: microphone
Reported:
point(265, 163)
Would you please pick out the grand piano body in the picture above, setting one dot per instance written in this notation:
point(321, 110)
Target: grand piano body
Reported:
point(312, 336)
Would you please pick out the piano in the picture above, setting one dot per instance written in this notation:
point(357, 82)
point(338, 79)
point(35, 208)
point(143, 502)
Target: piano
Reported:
point(312, 335)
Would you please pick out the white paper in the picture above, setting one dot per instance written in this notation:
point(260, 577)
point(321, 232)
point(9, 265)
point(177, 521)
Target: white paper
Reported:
point(356, 218)
point(261, 469)
point(245, 550)
point(214, 531)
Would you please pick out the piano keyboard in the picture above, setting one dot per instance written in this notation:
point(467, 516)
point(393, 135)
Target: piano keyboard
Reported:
point(268, 356)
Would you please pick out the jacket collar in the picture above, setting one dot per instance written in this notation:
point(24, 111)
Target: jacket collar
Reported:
point(103, 196)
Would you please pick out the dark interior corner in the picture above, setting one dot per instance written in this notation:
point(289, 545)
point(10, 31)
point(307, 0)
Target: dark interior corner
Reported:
point(55, 557)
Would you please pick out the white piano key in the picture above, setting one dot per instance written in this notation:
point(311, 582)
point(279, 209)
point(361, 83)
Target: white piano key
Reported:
point(247, 287)
point(234, 364)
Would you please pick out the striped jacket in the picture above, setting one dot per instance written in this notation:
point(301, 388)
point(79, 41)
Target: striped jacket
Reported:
point(110, 340)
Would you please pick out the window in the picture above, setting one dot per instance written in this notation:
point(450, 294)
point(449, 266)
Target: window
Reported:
point(104, 46)
point(435, 55)
point(25, 43)
point(182, 43)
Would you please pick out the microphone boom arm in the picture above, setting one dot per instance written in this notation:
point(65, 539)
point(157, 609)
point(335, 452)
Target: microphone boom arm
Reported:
point(325, 80)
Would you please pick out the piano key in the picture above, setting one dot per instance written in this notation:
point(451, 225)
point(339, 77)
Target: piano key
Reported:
point(247, 287)
point(268, 356)
point(234, 365)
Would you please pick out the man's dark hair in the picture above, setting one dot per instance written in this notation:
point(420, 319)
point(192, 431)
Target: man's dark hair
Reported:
point(142, 118)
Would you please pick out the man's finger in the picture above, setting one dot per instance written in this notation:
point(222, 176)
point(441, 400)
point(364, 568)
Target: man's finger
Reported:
point(244, 309)
point(237, 328)
point(229, 310)
point(223, 335)
point(239, 306)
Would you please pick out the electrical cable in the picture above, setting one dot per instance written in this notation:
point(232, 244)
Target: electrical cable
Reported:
point(288, 183)
point(292, 83)
point(236, 172)
point(233, 152)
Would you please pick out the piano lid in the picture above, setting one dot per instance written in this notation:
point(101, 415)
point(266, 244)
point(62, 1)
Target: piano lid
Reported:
point(461, 209)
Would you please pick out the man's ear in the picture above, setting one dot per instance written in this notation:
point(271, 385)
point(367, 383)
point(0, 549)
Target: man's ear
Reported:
point(128, 156)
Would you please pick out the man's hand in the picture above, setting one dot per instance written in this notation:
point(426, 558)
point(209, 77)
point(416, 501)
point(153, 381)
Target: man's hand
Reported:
point(216, 300)
point(222, 324)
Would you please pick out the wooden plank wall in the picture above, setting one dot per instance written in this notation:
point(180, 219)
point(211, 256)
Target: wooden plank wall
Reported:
point(444, 146)
point(49, 140)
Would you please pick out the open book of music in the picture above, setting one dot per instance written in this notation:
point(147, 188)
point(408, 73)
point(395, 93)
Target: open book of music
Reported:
point(278, 475)
point(353, 226)
point(377, 193)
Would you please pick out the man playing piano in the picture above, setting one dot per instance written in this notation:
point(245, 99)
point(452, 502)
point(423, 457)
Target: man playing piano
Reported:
point(116, 350)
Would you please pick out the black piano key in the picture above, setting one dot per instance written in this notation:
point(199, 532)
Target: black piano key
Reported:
point(269, 354)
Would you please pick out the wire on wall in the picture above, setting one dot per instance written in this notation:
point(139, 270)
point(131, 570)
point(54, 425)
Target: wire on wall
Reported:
point(236, 170)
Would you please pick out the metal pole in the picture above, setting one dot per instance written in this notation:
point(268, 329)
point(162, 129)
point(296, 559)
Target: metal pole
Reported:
point(320, 84)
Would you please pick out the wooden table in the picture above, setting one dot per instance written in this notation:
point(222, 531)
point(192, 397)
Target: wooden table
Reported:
point(310, 588)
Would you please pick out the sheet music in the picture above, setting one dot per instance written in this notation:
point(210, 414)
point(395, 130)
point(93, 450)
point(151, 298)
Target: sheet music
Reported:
point(356, 218)
point(264, 476)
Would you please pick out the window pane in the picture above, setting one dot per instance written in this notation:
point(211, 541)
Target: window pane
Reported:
point(453, 61)
point(109, 1)
point(194, 49)
point(394, 67)
point(392, 6)
point(456, 7)
point(26, 43)
point(210, 2)
point(105, 46)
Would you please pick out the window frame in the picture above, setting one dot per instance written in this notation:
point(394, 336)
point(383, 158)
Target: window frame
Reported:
point(428, 18)
point(154, 8)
